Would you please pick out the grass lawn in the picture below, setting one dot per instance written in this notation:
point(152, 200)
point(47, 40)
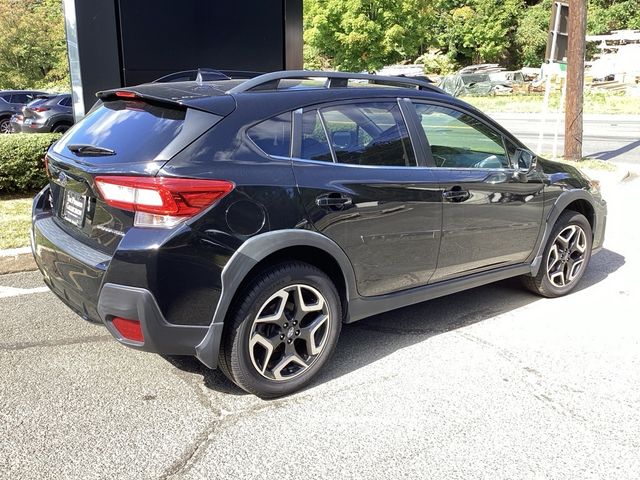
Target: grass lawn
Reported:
point(588, 163)
point(15, 220)
point(532, 103)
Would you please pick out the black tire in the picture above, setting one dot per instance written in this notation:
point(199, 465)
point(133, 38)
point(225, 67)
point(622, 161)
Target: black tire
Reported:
point(5, 126)
point(542, 283)
point(60, 128)
point(238, 363)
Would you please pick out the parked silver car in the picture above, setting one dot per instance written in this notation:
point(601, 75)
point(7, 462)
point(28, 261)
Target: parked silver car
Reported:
point(53, 114)
point(11, 102)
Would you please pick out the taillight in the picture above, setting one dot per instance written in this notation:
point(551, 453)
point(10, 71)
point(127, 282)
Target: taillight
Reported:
point(129, 329)
point(161, 201)
point(39, 109)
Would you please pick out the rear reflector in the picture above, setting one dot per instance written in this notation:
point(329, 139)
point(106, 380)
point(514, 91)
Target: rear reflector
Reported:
point(161, 201)
point(129, 329)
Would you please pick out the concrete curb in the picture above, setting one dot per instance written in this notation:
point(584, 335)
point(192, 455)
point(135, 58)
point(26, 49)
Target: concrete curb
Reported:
point(16, 260)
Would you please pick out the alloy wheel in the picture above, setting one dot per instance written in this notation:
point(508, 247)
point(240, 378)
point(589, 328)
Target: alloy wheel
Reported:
point(567, 256)
point(289, 332)
point(5, 127)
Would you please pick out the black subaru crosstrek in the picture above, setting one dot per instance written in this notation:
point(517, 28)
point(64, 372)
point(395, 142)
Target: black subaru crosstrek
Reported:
point(243, 221)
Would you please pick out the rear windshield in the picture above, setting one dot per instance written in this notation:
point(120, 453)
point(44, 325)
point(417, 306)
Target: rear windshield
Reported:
point(136, 131)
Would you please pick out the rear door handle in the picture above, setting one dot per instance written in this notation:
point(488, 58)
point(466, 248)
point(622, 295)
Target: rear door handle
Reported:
point(334, 199)
point(456, 194)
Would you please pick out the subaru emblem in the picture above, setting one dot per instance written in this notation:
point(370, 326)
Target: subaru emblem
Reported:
point(63, 178)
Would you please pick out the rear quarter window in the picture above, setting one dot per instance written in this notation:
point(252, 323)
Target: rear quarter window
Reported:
point(273, 136)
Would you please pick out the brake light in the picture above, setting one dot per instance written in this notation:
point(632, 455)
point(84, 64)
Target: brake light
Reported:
point(129, 329)
point(125, 94)
point(39, 109)
point(161, 201)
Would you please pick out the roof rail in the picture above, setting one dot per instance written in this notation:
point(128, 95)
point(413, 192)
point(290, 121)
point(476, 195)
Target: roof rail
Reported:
point(270, 81)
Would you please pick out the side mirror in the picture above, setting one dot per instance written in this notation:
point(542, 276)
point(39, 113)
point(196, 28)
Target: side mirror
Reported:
point(526, 162)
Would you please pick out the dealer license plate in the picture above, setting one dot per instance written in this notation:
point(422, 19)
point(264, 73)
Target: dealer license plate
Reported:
point(74, 205)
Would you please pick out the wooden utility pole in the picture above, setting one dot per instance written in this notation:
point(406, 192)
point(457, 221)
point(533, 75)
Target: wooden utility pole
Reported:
point(575, 79)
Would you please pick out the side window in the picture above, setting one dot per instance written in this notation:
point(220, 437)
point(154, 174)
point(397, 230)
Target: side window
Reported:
point(511, 151)
point(19, 98)
point(314, 144)
point(273, 136)
point(369, 134)
point(459, 140)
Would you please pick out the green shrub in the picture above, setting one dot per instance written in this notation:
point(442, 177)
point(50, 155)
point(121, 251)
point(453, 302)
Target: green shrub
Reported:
point(437, 63)
point(21, 161)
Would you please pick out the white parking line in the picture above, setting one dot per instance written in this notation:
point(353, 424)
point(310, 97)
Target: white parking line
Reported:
point(6, 292)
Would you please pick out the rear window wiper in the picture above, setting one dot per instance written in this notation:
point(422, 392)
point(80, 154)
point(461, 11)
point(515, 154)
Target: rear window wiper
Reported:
point(90, 150)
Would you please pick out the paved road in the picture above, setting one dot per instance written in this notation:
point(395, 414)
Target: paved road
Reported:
point(491, 383)
point(606, 137)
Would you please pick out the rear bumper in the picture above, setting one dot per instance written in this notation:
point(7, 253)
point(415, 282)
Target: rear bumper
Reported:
point(73, 271)
point(160, 336)
point(36, 128)
point(76, 273)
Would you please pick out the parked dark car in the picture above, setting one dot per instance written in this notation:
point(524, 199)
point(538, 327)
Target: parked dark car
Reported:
point(243, 222)
point(52, 114)
point(11, 102)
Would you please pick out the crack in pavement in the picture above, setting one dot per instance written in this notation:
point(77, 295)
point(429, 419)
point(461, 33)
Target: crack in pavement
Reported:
point(540, 388)
point(225, 418)
point(55, 343)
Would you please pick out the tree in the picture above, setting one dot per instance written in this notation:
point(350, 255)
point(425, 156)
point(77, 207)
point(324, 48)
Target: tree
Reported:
point(33, 50)
point(368, 34)
point(479, 31)
point(365, 34)
point(607, 15)
point(532, 34)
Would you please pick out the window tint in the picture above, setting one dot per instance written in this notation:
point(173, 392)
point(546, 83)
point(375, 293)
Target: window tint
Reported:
point(19, 98)
point(459, 140)
point(314, 141)
point(65, 102)
point(273, 136)
point(369, 134)
point(137, 131)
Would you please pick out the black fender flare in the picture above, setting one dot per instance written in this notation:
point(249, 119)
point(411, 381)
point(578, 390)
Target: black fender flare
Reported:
point(248, 256)
point(561, 203)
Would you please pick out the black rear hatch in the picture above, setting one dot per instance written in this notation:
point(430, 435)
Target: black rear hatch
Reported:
point(123, 135)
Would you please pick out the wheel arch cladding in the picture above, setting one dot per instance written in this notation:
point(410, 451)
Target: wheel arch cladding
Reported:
point(267, 249)
point(312, 255)
point(585, 208)
point(579, 201)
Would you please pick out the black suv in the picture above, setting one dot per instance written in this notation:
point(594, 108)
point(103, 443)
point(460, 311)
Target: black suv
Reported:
point(243, 221)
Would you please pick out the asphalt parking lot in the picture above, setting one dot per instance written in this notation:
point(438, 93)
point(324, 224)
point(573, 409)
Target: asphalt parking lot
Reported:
point(491, 383)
